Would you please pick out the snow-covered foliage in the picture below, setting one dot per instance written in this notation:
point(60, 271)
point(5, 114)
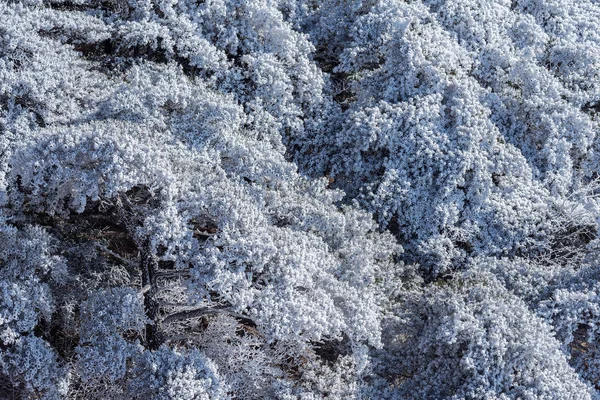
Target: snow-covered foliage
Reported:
point(299, 199)
point(477, 340)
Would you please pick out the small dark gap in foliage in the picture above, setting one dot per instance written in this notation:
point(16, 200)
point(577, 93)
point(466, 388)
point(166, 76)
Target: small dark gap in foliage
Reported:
point(57, 336)
point(67, 6)
point(8, 390)
point(166, 265)
point(592, 106)
point(204, 227)
point(572, 241)
point(463, 245)
point(26, 102)
point(330, 350)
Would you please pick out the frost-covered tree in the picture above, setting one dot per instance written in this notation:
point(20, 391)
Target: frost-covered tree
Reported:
point(299, 199)
point(477, 340)
point(166, 192)
point(456, 133)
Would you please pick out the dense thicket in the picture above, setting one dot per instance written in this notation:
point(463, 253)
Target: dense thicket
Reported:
point(299, 199)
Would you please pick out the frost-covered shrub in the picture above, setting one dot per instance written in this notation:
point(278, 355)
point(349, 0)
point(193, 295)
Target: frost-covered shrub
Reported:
point(32, 364)
point(170, 375)
point(456, 132)
point(26, 264)
point(102, 351)
point(476, 340)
